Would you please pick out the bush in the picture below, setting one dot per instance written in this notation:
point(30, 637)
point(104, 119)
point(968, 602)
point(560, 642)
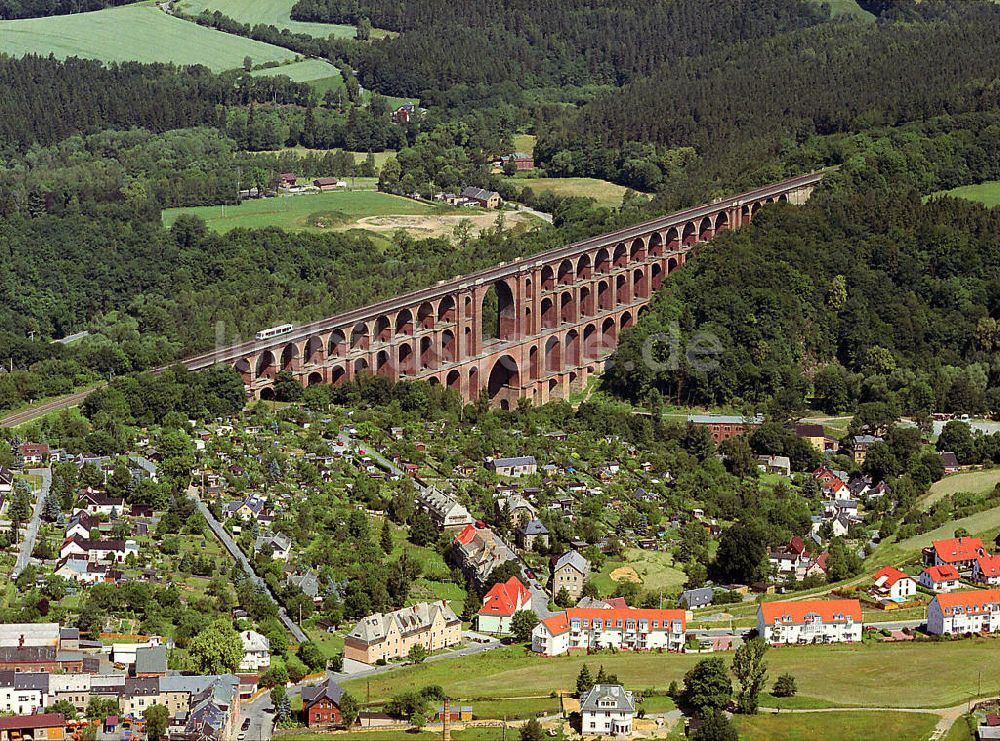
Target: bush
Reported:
point(784, 686)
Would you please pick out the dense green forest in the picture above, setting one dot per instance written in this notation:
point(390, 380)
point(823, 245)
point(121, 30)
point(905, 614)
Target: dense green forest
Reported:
point(41, 8)
point(752, 102)
point(864, 296)
point(46, 101)
point(533, 44)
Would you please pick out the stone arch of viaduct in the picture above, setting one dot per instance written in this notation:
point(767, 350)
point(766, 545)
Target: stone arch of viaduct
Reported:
point(557, 315)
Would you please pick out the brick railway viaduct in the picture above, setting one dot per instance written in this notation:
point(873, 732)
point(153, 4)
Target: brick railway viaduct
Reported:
point(560, 314)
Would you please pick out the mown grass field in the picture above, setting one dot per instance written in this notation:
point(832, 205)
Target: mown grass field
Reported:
point(141, 33)
point(857, 726)
point(987, 193)
point(970, 481)
point(605, 193)
point(272, 13)
point(316, 212)
point(321, 75)
point(515, 672)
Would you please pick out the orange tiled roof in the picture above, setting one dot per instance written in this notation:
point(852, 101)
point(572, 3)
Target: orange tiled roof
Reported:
point(829, 611)
point(959, 549)
point(989, 565)
point(561, 623)
point(891, 575)
point(974, 602)
point(942, 573)
point(506, 598)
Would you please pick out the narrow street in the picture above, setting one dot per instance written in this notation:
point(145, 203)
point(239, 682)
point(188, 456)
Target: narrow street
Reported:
point(28, 543)
point(234, 550)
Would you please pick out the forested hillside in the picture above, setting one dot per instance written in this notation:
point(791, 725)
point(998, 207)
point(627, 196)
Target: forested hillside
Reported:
point(531, 44)
point(752, 102)
point(864, 295)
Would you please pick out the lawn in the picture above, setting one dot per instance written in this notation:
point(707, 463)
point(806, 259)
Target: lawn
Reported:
point(513, 709)
point(655, 569)
point(512, 672)
point(314, 212)
point(271, 13)
point(605, 193)
point(329, 644)
point(321, 75)
point(960, 732)
point(971, 481)
point(987, 193)
point(141, 33)
point(524, 143)
point(857, 726)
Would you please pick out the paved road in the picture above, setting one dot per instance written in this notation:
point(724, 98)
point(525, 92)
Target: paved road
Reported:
point(540, 214)
point(28, 544)
point(63, 402)
point(237, 553)
point(476, 643)
point(261, 714)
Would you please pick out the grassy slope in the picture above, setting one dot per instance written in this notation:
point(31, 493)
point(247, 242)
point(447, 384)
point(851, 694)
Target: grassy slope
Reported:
point(971, 481)
point(296, 212)
point(980, 524)
point(307, 70)
point(137, 32)
point(656, 569)
point(513, 672)
point(855, 726)
point(605, 193)
point(987, 193)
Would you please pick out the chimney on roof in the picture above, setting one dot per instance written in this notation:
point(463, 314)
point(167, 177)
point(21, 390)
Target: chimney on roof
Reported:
point(20, 641)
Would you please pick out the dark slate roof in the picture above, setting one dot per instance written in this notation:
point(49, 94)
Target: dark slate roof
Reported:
point(329, 690)
point(696, 597)
point(151, 660)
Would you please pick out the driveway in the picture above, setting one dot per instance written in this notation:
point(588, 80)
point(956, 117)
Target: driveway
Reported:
point(28, 544)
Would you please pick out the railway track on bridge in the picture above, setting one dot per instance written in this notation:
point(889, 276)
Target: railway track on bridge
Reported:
point(238, 351)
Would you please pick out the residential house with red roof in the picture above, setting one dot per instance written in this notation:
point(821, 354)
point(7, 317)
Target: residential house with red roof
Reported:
point(986, 570)
point(940, 578)
point(893, 584)
point(964, 612)
point(810, 621)
point(960, 552)
point(500, 605)
point(33, 454)
point(595, 628)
